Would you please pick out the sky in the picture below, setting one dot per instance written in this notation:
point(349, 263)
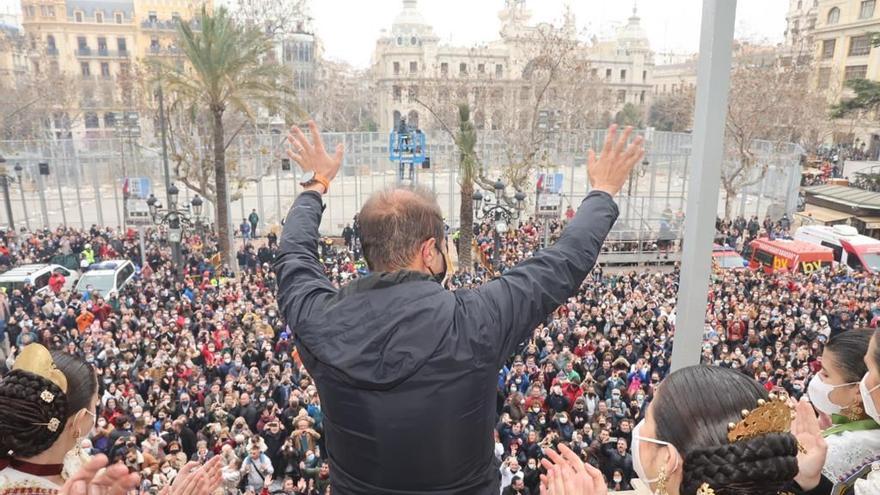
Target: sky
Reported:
point(348, 28)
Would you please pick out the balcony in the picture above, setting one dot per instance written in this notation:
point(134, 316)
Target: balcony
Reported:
point(170, 25)
point(52, 51)
point(101, 53)
point(158, 51)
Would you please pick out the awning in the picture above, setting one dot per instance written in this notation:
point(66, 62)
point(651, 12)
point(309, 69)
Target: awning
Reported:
point(871, 223)
point(817, 214)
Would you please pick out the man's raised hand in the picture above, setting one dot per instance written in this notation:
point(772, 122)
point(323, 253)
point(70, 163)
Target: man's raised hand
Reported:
point(311, 156)
point(611, 170)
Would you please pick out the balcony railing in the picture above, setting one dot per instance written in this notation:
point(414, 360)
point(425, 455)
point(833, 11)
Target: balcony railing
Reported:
point(52, 51)
point(160, 51)
point(170, 25)
point(102, 53)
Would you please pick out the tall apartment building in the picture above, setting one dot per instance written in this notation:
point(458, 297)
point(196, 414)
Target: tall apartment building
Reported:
point(97, 42)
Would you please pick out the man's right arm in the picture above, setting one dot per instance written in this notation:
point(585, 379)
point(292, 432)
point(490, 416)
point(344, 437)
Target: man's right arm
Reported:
point(302, 285)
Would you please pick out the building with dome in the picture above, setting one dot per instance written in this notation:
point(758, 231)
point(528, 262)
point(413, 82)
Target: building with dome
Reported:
point(410, 56)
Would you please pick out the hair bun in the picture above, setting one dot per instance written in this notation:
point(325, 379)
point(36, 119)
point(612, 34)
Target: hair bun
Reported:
point(758, 466)
point(25, 413)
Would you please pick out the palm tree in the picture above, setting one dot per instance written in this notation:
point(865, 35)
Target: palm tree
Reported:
point(466, 142)
point(227, 70)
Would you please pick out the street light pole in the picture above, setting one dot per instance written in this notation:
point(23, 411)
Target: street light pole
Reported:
point(18, 168)
point(5, 184)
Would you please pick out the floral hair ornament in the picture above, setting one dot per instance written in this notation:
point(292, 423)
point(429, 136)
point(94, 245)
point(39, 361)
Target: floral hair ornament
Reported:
point(52, 425)
point(36, 359)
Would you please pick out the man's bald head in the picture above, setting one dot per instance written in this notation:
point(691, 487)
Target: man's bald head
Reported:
point(394, 224)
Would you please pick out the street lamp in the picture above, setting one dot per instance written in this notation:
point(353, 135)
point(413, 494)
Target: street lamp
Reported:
point(197, 206)
point(500, 214)
point(18, 170)
point(4, 182)
point(175, 219)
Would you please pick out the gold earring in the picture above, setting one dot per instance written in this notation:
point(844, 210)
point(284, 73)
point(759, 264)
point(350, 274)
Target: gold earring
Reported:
point(661, 482)
point(854, 412)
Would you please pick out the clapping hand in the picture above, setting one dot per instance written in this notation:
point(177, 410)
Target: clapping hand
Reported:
point(568, 475)
point(805, 428)
point(115, 480)
point(195, 479)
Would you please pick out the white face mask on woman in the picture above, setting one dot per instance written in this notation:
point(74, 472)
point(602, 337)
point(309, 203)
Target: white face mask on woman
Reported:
point(637, 440)
point(820, 395)
point(867, 400)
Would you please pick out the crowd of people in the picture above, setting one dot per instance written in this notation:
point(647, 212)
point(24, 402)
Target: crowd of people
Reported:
point(195, 362)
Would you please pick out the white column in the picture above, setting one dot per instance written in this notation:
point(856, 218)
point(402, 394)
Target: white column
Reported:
point(713, 86)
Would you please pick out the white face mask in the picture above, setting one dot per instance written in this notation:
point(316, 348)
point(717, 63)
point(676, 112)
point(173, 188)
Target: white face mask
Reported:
point(867, 400)
point(637, 440)
point(820, 395)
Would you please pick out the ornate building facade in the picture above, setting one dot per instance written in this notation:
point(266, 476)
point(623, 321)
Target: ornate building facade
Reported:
point(410, 56)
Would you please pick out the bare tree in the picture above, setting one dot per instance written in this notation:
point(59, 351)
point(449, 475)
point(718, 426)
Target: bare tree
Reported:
point(673, 112)
point(39, 99)
point(556, 91)
point(768, 101)
point(275, 18)
point(342, 99)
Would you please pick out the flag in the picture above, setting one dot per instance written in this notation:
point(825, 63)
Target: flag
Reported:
point(126, 190)
point(540, 185)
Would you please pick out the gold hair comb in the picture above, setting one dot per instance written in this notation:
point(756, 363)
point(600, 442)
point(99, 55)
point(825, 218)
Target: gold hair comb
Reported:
point(771, 416)
point(36, 359)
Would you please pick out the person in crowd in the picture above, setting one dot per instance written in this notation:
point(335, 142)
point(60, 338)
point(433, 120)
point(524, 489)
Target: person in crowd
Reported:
point(853, 437)
point(245, 229)
point(404, 241)
point(254, 220)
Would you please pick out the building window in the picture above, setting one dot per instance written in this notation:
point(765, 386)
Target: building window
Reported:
point(118, 16)
point(396, 68)
point(50, 44)
point(154, 44)
point(122, 46)
point(855, 72)
point(621, 96)
point(644, 76)
point(99, 17)
point(828, 48)
point(102, 46)
point(623, 75)
point(608, 73)
point(413, 67)
point(105, 70)
point(481, 68)
point(594, 73)
point(78, 16)
point(824, 79)
point(800, 4)
point(811, 24)
point(84, 68)
point(859, 45)
point(833, 16)
point(867, 10)
point(152, 17)
point(642, 97)
point(412, 93)
point(91, 120)
point(109, 120)
point(444, 69)
point(462, 69)
point(499, 70)
point(396, 92)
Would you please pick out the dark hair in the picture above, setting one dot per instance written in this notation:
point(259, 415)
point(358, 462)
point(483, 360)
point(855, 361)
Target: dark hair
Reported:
point(394, 222)
point(24, 414)
point(692, 409)
point(849, 349)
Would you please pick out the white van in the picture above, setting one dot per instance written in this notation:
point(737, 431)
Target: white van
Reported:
point(851, 249)
point(106, 277)
point(36, 275)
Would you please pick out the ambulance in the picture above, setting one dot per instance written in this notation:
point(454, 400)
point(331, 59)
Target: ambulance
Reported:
point(858, 252)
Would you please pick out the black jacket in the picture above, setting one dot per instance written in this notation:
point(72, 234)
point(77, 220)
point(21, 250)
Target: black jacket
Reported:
point(406, 370)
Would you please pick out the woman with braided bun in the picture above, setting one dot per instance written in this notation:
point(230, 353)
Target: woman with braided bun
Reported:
point(684, 445)
point(47, 406)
